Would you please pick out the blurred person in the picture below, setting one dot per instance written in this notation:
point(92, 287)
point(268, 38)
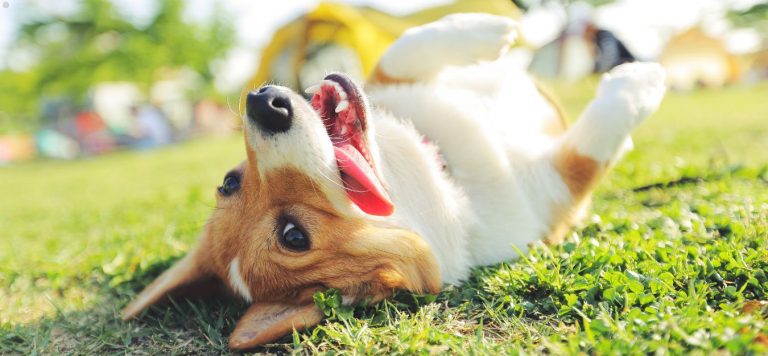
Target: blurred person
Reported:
point(582, 48)
point(52, 143)
point(16, 147)
point(92, 133)
point(213, 118)
point(610, 51)
point(152, 127)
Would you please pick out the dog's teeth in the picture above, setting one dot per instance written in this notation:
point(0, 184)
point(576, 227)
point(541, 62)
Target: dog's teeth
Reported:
point(313, 89)
point(343, 130)
point(343, 105)
point(337, 87)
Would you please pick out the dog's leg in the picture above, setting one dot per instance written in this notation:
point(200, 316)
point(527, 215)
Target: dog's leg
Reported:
point(626, 96)
point(459, 39)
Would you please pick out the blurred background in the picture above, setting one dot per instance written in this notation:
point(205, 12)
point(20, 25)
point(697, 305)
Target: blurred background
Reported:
point(80, 78)
point(118, 118)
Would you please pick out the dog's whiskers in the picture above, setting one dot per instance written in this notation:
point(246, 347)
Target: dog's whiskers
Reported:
point(322, 174)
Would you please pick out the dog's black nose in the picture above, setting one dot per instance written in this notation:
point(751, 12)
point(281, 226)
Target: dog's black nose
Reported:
point(270, 108)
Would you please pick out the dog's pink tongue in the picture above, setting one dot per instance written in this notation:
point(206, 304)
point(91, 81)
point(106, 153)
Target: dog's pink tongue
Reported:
point(361, 184)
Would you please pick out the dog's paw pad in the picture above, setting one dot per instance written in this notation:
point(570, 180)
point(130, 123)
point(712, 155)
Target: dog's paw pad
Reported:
point(641, 86)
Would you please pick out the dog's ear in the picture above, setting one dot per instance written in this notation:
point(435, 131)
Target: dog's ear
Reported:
point(187, 277)
point(269, 321)
point(403, 258)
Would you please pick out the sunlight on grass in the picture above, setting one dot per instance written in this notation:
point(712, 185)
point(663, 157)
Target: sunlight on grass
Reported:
point(676, 246)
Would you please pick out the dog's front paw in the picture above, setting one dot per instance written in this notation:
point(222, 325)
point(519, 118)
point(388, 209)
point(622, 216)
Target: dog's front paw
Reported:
point(638, 86)
point(455, 40)
point(470, 37)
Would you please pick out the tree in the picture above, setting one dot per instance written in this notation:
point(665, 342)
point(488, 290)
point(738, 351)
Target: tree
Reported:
point(755, 17)
point(96, 45)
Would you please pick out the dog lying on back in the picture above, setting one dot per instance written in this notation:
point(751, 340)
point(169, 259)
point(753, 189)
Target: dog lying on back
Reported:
point(447, 159)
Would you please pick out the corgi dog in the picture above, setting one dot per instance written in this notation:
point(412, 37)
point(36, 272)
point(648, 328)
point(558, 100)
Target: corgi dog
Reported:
point(450, 157)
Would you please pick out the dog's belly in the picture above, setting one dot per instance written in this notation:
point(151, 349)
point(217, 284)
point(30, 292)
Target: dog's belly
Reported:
point(512, 211)
point(490, 133)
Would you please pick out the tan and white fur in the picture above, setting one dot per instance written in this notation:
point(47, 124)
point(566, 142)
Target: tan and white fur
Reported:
point(513, 175)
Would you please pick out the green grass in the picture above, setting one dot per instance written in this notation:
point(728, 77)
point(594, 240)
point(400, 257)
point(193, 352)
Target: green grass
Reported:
point(669, 268)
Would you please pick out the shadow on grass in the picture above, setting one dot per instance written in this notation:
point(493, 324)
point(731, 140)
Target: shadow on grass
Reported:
point(195, 325)
point(189, 326)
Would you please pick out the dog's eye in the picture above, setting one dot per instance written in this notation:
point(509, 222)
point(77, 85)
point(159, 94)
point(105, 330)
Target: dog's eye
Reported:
point(294, 238)
point(231, 185)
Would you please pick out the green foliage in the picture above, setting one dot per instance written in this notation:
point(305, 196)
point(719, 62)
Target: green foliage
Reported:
point(674, 259)
point(330, 302)
point(18, 101)
point(755, 17)
point(527, 4)
point(97, 45)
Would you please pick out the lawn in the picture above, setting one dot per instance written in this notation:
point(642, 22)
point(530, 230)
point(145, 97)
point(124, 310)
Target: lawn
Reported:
point(674, 257)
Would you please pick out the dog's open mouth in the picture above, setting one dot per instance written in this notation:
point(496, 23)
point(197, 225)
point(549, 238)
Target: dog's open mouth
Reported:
point(340, 104)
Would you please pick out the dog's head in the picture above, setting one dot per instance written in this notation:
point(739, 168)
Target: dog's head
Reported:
point(302, 214)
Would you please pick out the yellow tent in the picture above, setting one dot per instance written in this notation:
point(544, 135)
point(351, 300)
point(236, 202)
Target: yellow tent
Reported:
point(358, 32)
point(693, 58)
